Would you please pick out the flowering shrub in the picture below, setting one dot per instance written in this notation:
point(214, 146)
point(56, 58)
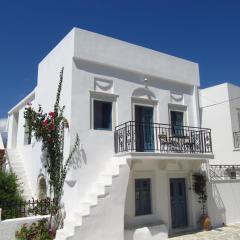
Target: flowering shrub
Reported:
point(34, 231)
point(49, 129)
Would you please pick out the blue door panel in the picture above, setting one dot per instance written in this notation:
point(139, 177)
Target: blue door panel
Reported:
point(144, 129)
point(178, 202)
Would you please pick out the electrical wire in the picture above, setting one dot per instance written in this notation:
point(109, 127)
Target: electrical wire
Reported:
point(218, 103)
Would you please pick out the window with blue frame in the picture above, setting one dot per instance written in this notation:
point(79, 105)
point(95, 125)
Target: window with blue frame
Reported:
point(177, 122)
point(102, 112)
point(238, 113)
point(27, 135)
point(143, 196)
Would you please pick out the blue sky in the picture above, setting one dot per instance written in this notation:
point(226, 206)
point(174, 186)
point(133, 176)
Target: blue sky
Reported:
point(206, 31)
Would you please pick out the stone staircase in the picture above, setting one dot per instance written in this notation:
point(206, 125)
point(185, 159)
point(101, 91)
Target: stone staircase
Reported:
point(17, 166)
point(91, 206)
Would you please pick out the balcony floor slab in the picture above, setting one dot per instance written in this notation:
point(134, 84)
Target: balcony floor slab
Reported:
point(165, 156)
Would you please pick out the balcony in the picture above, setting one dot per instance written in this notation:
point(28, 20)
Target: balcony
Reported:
point(163, 138)
point(224, 172)
point(236, 139)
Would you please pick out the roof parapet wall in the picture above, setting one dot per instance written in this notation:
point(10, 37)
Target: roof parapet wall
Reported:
point(104, 50)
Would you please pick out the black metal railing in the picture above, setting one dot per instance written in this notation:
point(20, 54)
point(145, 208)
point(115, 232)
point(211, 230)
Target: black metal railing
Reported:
point(16, 209)
point(236, 139)
point(149, 137)
point(224, 172)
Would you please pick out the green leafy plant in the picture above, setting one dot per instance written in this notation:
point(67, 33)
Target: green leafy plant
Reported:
point(48, 128)
point(200, 188)
point(35, 231)
point(10, 193)
point(42, 207)
point(2, 159)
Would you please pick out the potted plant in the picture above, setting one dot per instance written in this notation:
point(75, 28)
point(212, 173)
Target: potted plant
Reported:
point(200, 188)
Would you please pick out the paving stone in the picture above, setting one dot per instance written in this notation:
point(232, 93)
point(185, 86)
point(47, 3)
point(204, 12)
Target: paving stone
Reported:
point(231, 232)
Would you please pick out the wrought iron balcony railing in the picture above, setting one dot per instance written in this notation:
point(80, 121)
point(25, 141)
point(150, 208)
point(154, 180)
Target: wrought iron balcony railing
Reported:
point(236, 139)
point(150, 137)
point(224, 172)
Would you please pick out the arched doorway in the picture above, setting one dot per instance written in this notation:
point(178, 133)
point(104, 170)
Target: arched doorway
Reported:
point(42, 187)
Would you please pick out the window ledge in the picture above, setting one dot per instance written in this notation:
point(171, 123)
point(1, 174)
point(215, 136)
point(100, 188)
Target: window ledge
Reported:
point(103, 95)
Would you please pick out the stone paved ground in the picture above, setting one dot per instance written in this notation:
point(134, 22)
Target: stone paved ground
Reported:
point(231, 232)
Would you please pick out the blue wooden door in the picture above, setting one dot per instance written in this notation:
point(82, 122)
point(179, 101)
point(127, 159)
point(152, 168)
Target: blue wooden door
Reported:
point(143, 196)
point(178, 202)
point(144, 129)
point(177, 123)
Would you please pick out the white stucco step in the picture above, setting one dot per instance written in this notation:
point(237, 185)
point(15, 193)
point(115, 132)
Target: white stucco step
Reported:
point(19, 170)
point(78, 217)
point(158, 232)
point(99, 188)
point(92, 198)
point(17, 166)
point(70, 224)
point(106, 179)
point(84, 208)
point(120, 160)
point(17, 163)
point(113, 169)
point(62, 234)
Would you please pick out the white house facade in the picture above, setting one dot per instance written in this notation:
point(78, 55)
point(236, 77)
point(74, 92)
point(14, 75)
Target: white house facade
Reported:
point(222, 102)
point(142, 136)
point(220, 110)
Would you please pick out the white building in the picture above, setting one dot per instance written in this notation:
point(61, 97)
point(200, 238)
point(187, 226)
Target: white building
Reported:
point(3, 133)
point(138, 117)
point(3, 141)
point(220, 110)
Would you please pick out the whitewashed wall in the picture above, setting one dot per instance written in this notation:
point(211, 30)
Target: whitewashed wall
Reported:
point(9, 227)
point(119, 54)
point(48, 79)
point(45, 95)
point(1, 142)
point(160, 174)
point(88, 57)
point(223, 202)
point(29, 153)
point(234, 95)
point(219, 116)
point(98, 146)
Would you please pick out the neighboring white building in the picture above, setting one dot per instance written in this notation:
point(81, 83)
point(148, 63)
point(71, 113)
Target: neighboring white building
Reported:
point(3, 142)
point(220, 110)
point(138, 117)
point(220, 107)
point(3, 133)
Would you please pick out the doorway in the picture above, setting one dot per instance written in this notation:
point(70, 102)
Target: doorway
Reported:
point(178, 202)
point(144, 129)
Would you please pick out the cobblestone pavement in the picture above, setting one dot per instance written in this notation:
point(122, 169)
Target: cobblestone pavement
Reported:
point(230, 232)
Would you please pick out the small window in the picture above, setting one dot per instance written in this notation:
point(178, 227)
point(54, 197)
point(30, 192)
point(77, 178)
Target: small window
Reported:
point(27, 135)
point(232, 172)
point(238, 112)
point(143, 196)
point(177, 122)
point(102, 115)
